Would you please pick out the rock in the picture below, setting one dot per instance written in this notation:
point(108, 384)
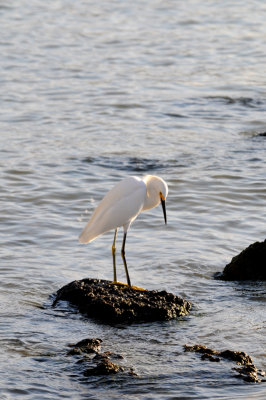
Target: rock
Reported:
point(105, 367)
point(199, 348)
point(247, 371)
point(108, 354)
point(113, 303)
point(239, 357)
point(210, 358)
point(86, 346)
point(93, 363)
point(250, 264)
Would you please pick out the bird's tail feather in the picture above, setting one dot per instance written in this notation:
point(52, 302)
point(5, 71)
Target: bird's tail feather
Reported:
point(88, 234)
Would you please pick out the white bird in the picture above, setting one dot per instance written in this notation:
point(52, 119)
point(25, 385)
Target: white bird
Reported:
point(121, 206)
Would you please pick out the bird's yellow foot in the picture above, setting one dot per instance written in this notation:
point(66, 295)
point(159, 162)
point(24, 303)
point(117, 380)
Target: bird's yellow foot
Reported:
point(138, 288)
point(127, 286)
point(119, 283)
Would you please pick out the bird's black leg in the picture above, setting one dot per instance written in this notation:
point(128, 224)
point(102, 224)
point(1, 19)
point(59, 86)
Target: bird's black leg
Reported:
point(113, 253)
point(124, 259)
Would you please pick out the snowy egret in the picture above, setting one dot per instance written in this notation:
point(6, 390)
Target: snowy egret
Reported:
point(121, 206)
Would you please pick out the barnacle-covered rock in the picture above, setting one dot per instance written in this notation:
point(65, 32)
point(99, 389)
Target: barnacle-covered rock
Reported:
point(109, 302)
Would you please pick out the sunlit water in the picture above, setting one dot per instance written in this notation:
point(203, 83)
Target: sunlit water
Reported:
point(92, 92)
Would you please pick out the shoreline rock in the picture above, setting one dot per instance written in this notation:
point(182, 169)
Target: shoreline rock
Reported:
point(248, 372)
point(250, 264)
point(116, 303)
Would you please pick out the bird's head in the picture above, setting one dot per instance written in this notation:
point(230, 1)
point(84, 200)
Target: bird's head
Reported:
point(157, 191)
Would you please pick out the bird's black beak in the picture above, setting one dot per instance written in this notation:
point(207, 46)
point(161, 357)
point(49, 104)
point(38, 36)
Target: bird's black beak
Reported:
point(164, 209)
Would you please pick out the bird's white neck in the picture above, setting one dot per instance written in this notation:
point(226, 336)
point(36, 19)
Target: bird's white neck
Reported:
point(152, 194)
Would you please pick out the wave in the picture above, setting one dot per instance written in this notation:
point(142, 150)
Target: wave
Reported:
point(132, 164)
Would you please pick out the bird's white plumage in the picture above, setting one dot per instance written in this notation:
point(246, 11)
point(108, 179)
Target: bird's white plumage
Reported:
point(122, 204)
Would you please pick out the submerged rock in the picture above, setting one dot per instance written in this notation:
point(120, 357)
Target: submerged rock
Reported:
point(94, 363)
point(247, 371)
point(110, 302)
point(250, 264)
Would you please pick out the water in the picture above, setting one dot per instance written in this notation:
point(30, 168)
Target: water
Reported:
point(90, 93)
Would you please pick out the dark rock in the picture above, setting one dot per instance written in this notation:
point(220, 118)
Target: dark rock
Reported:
point(102, 356)
point(105, 367)
point(238, 356)
point(200, 349)
point(247, 371)
point(110, 302)
point(250, 264)
point(86, 346)
point(107, 355)
point(132, 372)
point(101, 363)
point(210, 358)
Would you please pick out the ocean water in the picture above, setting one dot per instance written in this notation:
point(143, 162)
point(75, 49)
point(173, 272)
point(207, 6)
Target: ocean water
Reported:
point(93, 92)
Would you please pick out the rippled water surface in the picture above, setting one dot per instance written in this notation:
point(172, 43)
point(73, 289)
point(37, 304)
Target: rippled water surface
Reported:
point(92, 92)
